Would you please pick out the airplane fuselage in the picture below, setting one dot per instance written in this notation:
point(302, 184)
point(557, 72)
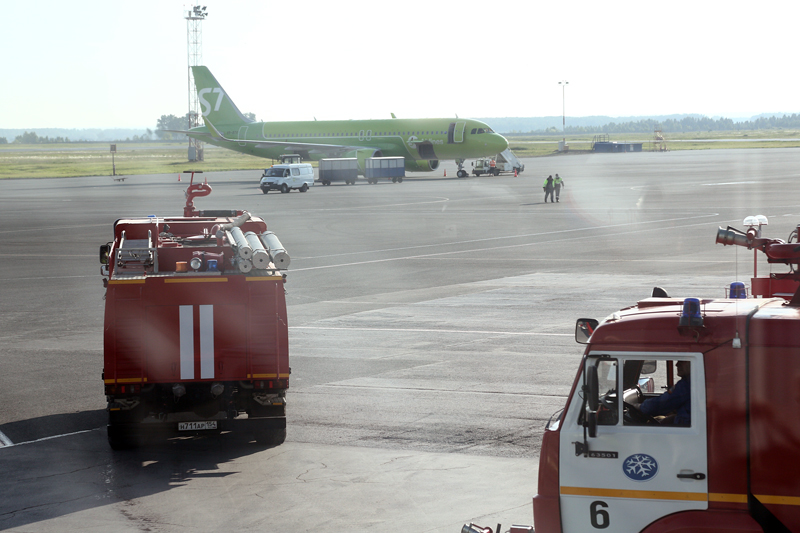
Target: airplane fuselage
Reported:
point(413, 139)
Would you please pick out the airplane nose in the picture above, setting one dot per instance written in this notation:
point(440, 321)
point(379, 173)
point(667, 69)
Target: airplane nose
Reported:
point(499, 143)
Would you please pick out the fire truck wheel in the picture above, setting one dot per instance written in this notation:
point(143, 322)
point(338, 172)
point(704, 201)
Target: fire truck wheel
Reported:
point(284, 188)
point(274, 437)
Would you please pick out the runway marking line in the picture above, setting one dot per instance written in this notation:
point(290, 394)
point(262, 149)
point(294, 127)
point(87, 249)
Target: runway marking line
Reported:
point(423, 330)
point(11, 444)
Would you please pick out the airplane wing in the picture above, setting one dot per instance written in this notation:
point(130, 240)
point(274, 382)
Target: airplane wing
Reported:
point(186, 132)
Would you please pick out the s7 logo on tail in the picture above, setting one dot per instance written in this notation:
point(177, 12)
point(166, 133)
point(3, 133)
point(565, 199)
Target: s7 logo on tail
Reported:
point(206, 106)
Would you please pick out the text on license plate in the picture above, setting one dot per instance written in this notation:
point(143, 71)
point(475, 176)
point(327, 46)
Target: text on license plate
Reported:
point(196, 426)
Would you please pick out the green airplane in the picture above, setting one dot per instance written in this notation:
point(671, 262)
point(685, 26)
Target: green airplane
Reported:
point(423, 142)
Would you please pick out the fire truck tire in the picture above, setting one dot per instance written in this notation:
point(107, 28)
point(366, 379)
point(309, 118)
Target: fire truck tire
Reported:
point(270, 437)
point(284, 188)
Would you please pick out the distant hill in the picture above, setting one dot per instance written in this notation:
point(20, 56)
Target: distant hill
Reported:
point(669, 123)
point(74, 135)
point(541, 124)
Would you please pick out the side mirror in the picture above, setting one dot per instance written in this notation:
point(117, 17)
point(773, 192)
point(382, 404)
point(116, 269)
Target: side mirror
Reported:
point(592, 401)
point(591, 388)
point(104, 251)
point(584, 327)
point(591, 424)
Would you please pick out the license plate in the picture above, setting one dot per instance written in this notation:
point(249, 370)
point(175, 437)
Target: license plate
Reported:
point(197, 426)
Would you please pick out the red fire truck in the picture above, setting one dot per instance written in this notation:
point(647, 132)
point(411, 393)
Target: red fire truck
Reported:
point(637, 450)
point(195, 330)
point(728, 456)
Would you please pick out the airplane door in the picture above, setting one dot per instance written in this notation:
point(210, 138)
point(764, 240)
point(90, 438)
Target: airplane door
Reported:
point(458, 132)
point(242, 135)
point(633, 473)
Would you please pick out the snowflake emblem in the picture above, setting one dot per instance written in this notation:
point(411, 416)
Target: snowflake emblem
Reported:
point(640, 467)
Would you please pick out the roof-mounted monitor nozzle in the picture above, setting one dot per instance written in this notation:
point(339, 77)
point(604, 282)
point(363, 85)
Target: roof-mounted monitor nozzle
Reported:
point(755, 222)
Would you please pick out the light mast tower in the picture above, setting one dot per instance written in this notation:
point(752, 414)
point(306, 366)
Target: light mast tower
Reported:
point(194, 48)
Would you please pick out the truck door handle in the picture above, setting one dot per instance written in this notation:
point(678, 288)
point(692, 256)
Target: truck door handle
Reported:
point(698, 476)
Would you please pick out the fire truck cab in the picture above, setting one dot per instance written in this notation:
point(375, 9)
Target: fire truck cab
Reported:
point(711, 445)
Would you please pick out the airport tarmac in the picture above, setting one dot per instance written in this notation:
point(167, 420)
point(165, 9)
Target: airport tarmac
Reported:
point(431, 336)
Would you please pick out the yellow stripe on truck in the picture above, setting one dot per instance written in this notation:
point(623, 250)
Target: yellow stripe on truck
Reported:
point(727, 498)
point(195, 280)
point(681, 496)
point(637, 494)
point(778, 500)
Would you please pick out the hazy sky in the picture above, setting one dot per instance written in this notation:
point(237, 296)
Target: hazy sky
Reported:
point(105, 64)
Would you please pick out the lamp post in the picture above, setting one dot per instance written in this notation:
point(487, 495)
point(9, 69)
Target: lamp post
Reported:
point(563, 84)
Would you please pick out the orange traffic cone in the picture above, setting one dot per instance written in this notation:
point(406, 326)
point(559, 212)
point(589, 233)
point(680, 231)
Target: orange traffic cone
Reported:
point(515, 172)
point(179, 177)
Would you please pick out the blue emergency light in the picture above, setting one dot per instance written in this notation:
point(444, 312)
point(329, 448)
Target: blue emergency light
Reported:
point(738, 290)
point(690, 315)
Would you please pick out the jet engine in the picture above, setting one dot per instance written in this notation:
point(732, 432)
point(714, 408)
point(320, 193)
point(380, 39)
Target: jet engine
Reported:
point(422, 166)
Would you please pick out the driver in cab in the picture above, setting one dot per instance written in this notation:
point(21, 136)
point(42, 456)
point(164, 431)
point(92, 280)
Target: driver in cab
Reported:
point(677, 400)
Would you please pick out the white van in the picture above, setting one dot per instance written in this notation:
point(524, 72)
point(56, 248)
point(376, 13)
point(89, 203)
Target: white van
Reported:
point(287, 177)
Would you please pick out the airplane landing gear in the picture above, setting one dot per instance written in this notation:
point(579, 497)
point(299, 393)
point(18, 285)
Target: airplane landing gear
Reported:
point(461, 172)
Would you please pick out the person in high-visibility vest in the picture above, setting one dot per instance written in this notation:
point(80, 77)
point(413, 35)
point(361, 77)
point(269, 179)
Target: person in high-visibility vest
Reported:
point(558, 183)
point(548, 189)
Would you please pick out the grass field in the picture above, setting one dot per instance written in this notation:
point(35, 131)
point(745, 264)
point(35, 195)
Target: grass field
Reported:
point(543, 145)
point(94, 159)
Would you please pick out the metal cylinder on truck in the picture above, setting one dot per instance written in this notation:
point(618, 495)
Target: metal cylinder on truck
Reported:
point(242, 246)
point(278, 254)
point(260, 257)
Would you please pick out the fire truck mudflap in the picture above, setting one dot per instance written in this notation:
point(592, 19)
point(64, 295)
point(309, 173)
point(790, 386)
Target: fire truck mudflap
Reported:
point(195, 327)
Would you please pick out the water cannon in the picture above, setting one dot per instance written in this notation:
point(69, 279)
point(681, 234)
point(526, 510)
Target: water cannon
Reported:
point(194, 190)
point(785, 285)
point(776, 250)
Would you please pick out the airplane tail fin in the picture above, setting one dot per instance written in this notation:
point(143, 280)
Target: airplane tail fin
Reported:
point(217, 106)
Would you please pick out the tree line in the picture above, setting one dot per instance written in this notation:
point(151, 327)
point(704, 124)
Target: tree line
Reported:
point(684, 125)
